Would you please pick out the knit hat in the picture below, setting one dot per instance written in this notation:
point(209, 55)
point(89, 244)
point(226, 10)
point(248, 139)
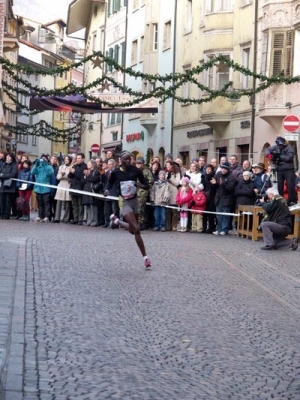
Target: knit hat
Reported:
point(162, 172)
point(225, 165)
point(169, 155)
point(185, 179)
point(247, 173)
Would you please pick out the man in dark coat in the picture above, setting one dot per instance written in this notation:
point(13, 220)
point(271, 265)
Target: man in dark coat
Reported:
point(8, 170)
point(77, 182)
point(225, 183)
point(277, 223)
point(282, 155)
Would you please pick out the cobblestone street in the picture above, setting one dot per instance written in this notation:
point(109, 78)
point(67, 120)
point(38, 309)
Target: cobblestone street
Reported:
point(215, 318)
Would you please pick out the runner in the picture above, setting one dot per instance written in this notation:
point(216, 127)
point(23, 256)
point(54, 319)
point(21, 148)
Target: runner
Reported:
point(129, 178)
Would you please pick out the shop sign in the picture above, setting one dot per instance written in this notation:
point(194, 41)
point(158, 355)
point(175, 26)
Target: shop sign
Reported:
point(199, 132)
point(245, 124)
point(132, 137)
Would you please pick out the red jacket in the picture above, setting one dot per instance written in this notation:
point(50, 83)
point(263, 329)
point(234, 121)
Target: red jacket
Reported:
point(200, 202)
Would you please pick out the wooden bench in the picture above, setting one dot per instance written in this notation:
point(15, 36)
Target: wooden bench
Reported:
point(250, 218)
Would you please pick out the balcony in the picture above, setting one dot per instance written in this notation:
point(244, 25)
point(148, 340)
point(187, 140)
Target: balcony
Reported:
point(148, 120)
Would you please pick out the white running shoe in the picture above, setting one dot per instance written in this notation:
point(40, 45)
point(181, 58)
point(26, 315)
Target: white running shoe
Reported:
point(45, 220)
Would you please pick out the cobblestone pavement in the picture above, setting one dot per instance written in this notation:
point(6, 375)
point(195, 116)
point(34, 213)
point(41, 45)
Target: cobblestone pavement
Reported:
point(215, 318)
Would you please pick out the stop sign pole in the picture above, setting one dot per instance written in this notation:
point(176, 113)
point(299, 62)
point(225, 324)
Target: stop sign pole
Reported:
point(291, 123)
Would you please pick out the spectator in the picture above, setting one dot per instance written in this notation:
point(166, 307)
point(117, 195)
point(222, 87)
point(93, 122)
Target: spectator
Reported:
point(195, 176)
point(214, 163)
point(235, 167)
point(91, 177)
point(42, 173)
point(8, 171)
point(111, 206)
point(277, 223)
point(100, 203)
point(246, 166)
point(143, 194)
point(282, 156)
point(225, 185)
point(201, 164)
point(244, 191)
point(223, 159)
point(159, 195)
point(261, 180)
point(25, 190)
point(173, 177)
point(63, 197)
point(209, 219)
point(76, 176)
point(155, 168)
point(198, 204)
point(183, 198)
point(54, 181)
point(297, 186)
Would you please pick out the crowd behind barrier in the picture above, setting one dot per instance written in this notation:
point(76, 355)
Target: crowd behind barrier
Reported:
point(199, 198)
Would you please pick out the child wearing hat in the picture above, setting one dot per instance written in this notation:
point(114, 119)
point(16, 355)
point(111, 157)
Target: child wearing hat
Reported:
point(183, 199)
point(198, 204)
point(159, 195)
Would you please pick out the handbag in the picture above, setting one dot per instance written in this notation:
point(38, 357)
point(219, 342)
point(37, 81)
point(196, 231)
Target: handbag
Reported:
point(7, 182)
point(97, 187)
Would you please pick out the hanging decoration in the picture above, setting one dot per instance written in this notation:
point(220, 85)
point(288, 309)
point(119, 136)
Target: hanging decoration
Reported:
point(166, 86)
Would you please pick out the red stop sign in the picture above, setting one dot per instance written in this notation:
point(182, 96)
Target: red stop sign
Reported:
point(291, 123)
point(95, 148)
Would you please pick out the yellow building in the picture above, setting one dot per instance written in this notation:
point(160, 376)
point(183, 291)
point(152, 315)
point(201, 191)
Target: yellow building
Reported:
point(205, 30)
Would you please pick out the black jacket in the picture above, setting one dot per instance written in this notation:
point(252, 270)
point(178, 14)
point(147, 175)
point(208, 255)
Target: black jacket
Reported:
point(244, 193)
point(225, 189)
point(286, 157)
point(8, 171)
point(278, 211)
point(76, 178)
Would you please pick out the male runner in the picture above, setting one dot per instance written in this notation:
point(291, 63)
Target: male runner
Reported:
point(129, 178)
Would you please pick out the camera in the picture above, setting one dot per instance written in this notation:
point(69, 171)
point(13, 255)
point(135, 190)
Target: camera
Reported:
point(276, 155)
point(258, 198)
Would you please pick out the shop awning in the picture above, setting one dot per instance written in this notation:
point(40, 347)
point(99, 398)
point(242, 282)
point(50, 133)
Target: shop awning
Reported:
point(78, 103)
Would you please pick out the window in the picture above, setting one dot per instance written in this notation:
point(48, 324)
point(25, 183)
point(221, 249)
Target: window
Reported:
point(33, 140)
point(154, 37)
point(218, 75)
point(264, 55)
point(186, 89)
point(114, 136)
point(22, 138)
point(219, 5)
point(188, 16)
point(282, 53)
point(134, 49)
point(246, 64)
point(102, 36)
point(94, 41)
point(116, 53)
point(245, 2)
point(167, 35)
point(142, 41)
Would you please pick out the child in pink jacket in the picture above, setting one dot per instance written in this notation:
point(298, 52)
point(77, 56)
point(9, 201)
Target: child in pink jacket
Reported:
point(198, 204)
point(183, 199)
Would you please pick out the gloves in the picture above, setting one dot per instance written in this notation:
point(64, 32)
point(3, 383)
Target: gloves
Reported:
point(168, 175)
point(192, 203)
point(270, 157)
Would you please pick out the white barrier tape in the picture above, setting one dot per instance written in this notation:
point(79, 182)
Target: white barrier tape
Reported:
point(70, 190)
point(195, 211)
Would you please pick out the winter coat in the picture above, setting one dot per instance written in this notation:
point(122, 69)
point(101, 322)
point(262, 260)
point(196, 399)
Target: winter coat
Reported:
point(198, 202)
point(54, 180)
point(184, 196)
point(43, 173)
point(174, 182)
point(90, 179)
point(225, 189)
point(210, 189)
point(77, 178)
point(237, 171)
point(286, 157)
point(64, 182)
point(8, 171)
point(277, 211)
point(25, 174)
point(244, 193)
point(114, 190)
point(262, 182)
point(159, 193)
point(149, 176)
point(195, 179)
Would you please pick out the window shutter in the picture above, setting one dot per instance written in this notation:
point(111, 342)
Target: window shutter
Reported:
point(288, 68)
point(123, 55)
point(106, 65)
point(116, 53)
point(278, 43)
point(111, 56)
point(109, 8)
point(263, 67)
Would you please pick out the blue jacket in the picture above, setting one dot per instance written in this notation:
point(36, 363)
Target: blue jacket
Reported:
point(25, 175)
point(42, 172)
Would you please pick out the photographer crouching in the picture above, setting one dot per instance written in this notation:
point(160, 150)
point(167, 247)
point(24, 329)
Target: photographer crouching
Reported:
point(276, 224)
point(282, 156)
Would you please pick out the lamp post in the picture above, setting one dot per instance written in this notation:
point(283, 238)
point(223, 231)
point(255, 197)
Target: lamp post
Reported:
point(253, 97)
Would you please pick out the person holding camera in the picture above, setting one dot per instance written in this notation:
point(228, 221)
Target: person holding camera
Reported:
point(43, 173)
point(282, 156)
point(276, 224)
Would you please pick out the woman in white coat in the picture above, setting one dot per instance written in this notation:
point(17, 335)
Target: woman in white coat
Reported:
point(195, 176)
point(63, 196)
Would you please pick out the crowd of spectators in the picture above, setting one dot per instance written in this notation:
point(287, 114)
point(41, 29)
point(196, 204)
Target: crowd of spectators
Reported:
point(177, 198)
